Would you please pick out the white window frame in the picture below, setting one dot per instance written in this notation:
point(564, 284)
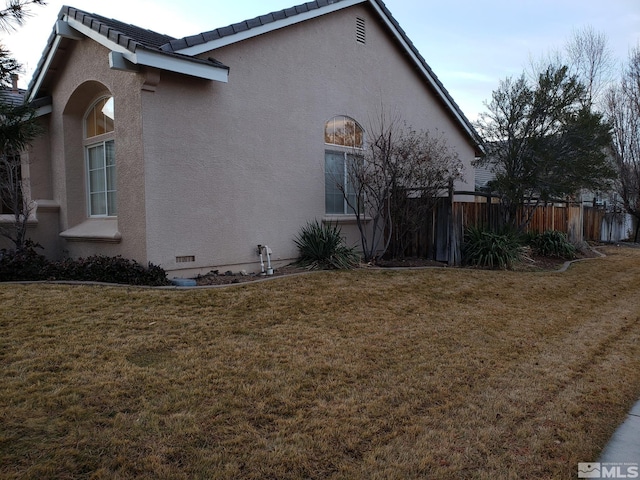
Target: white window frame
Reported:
point(109, 181)
point(345, 151)
point(109, 191)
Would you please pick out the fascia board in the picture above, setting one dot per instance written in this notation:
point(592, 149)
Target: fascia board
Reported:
point(152, 59)
point(269, 27)
point(45, 67)
point(166, 62)
point(41, 111)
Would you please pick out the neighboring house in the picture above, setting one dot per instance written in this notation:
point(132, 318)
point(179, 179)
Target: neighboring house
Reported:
point(190, 152)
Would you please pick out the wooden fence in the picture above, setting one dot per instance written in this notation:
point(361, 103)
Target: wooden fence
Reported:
point(435, 236)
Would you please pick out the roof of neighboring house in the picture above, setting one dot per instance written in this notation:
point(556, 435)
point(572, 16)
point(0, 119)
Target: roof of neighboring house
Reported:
point(132, 45)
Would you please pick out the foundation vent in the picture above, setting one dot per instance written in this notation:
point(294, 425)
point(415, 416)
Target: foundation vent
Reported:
point(361, 33)
point(186, 259)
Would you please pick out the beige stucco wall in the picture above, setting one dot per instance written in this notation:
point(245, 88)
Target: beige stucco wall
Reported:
point(252, 169)
point(84, 78)
point(210, 170)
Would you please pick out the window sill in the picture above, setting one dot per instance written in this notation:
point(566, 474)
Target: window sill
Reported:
point(94, 230)
point(344, 219)
point(10, 219)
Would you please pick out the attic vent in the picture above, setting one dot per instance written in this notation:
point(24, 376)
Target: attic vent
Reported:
point(186, 259)
point(361, 33)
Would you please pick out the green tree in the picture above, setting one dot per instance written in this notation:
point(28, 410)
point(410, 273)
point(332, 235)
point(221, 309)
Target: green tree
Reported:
point(543, 142)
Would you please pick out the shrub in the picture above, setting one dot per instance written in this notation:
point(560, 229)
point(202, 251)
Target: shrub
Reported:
point(320, 246)
point(482, 248)
point(552, 243)
point(29, 265)
point(101, 268)
point(23, 265)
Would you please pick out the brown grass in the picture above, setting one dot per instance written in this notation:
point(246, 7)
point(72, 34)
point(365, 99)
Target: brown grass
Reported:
point(437, 373)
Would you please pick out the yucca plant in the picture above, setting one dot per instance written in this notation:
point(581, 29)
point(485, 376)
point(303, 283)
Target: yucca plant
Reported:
point(553, 243)
point(482, 248)
point(321, 246)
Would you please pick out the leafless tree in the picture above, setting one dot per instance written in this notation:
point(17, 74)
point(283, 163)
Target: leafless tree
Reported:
point(623, 110)
point(397, 162)
point(590, 58)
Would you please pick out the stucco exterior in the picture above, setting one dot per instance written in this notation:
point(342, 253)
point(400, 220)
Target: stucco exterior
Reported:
point(208, 170)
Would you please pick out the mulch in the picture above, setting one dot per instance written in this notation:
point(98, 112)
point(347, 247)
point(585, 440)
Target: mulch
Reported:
point(531, 263)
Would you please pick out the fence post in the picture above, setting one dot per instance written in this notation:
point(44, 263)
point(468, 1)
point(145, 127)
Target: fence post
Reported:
point(452, 257)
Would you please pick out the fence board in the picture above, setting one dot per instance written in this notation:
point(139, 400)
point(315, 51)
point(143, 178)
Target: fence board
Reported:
point(431, 240)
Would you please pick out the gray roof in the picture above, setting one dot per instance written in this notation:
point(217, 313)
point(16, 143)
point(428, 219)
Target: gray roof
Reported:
point(179, 44)
point(129, 36)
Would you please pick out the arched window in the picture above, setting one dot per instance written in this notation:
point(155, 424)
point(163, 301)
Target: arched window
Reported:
point(346, 134)
point(343, 131)
point(101, 159)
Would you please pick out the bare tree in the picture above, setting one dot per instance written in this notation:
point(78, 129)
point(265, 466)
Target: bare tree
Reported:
point(623, 111)
point(591, 60)
point(588, 57)
point(18, 127)
point(397, 162)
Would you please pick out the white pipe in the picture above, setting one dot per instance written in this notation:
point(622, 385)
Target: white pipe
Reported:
point(261, 260)
point(268, 252)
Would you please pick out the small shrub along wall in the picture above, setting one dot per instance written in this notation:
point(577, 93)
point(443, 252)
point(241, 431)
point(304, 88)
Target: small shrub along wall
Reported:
point(29, 265)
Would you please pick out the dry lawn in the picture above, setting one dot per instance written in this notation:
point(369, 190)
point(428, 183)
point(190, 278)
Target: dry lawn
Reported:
point(437, 373)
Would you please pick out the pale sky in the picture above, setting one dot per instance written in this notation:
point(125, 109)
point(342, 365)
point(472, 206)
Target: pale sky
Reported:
point(470, 44)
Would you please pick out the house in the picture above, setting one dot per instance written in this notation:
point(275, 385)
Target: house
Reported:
point(190, 152)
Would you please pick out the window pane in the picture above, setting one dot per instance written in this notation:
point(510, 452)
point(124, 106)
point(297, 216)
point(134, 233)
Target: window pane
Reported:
point(96, 181)
point(340, 131)
point(98, 204)
point(91, 124)
point(100, 119)
point(96, 157)
point(333, 179)
point(111, 203)
point(329, 136)
point(110, 153)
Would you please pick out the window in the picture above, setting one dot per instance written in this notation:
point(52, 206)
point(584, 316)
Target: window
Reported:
point(345, 133)
point(336, 168)
point(101, 159)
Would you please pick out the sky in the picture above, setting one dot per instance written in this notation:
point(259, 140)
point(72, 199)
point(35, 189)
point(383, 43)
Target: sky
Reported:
point(470, 44)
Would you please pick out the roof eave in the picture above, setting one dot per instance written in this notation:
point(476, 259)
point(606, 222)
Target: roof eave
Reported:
point(135, 53)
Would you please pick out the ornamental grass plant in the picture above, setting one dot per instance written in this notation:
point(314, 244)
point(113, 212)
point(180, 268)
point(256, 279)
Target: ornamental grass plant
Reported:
point(321, 246)
point(483, 248)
